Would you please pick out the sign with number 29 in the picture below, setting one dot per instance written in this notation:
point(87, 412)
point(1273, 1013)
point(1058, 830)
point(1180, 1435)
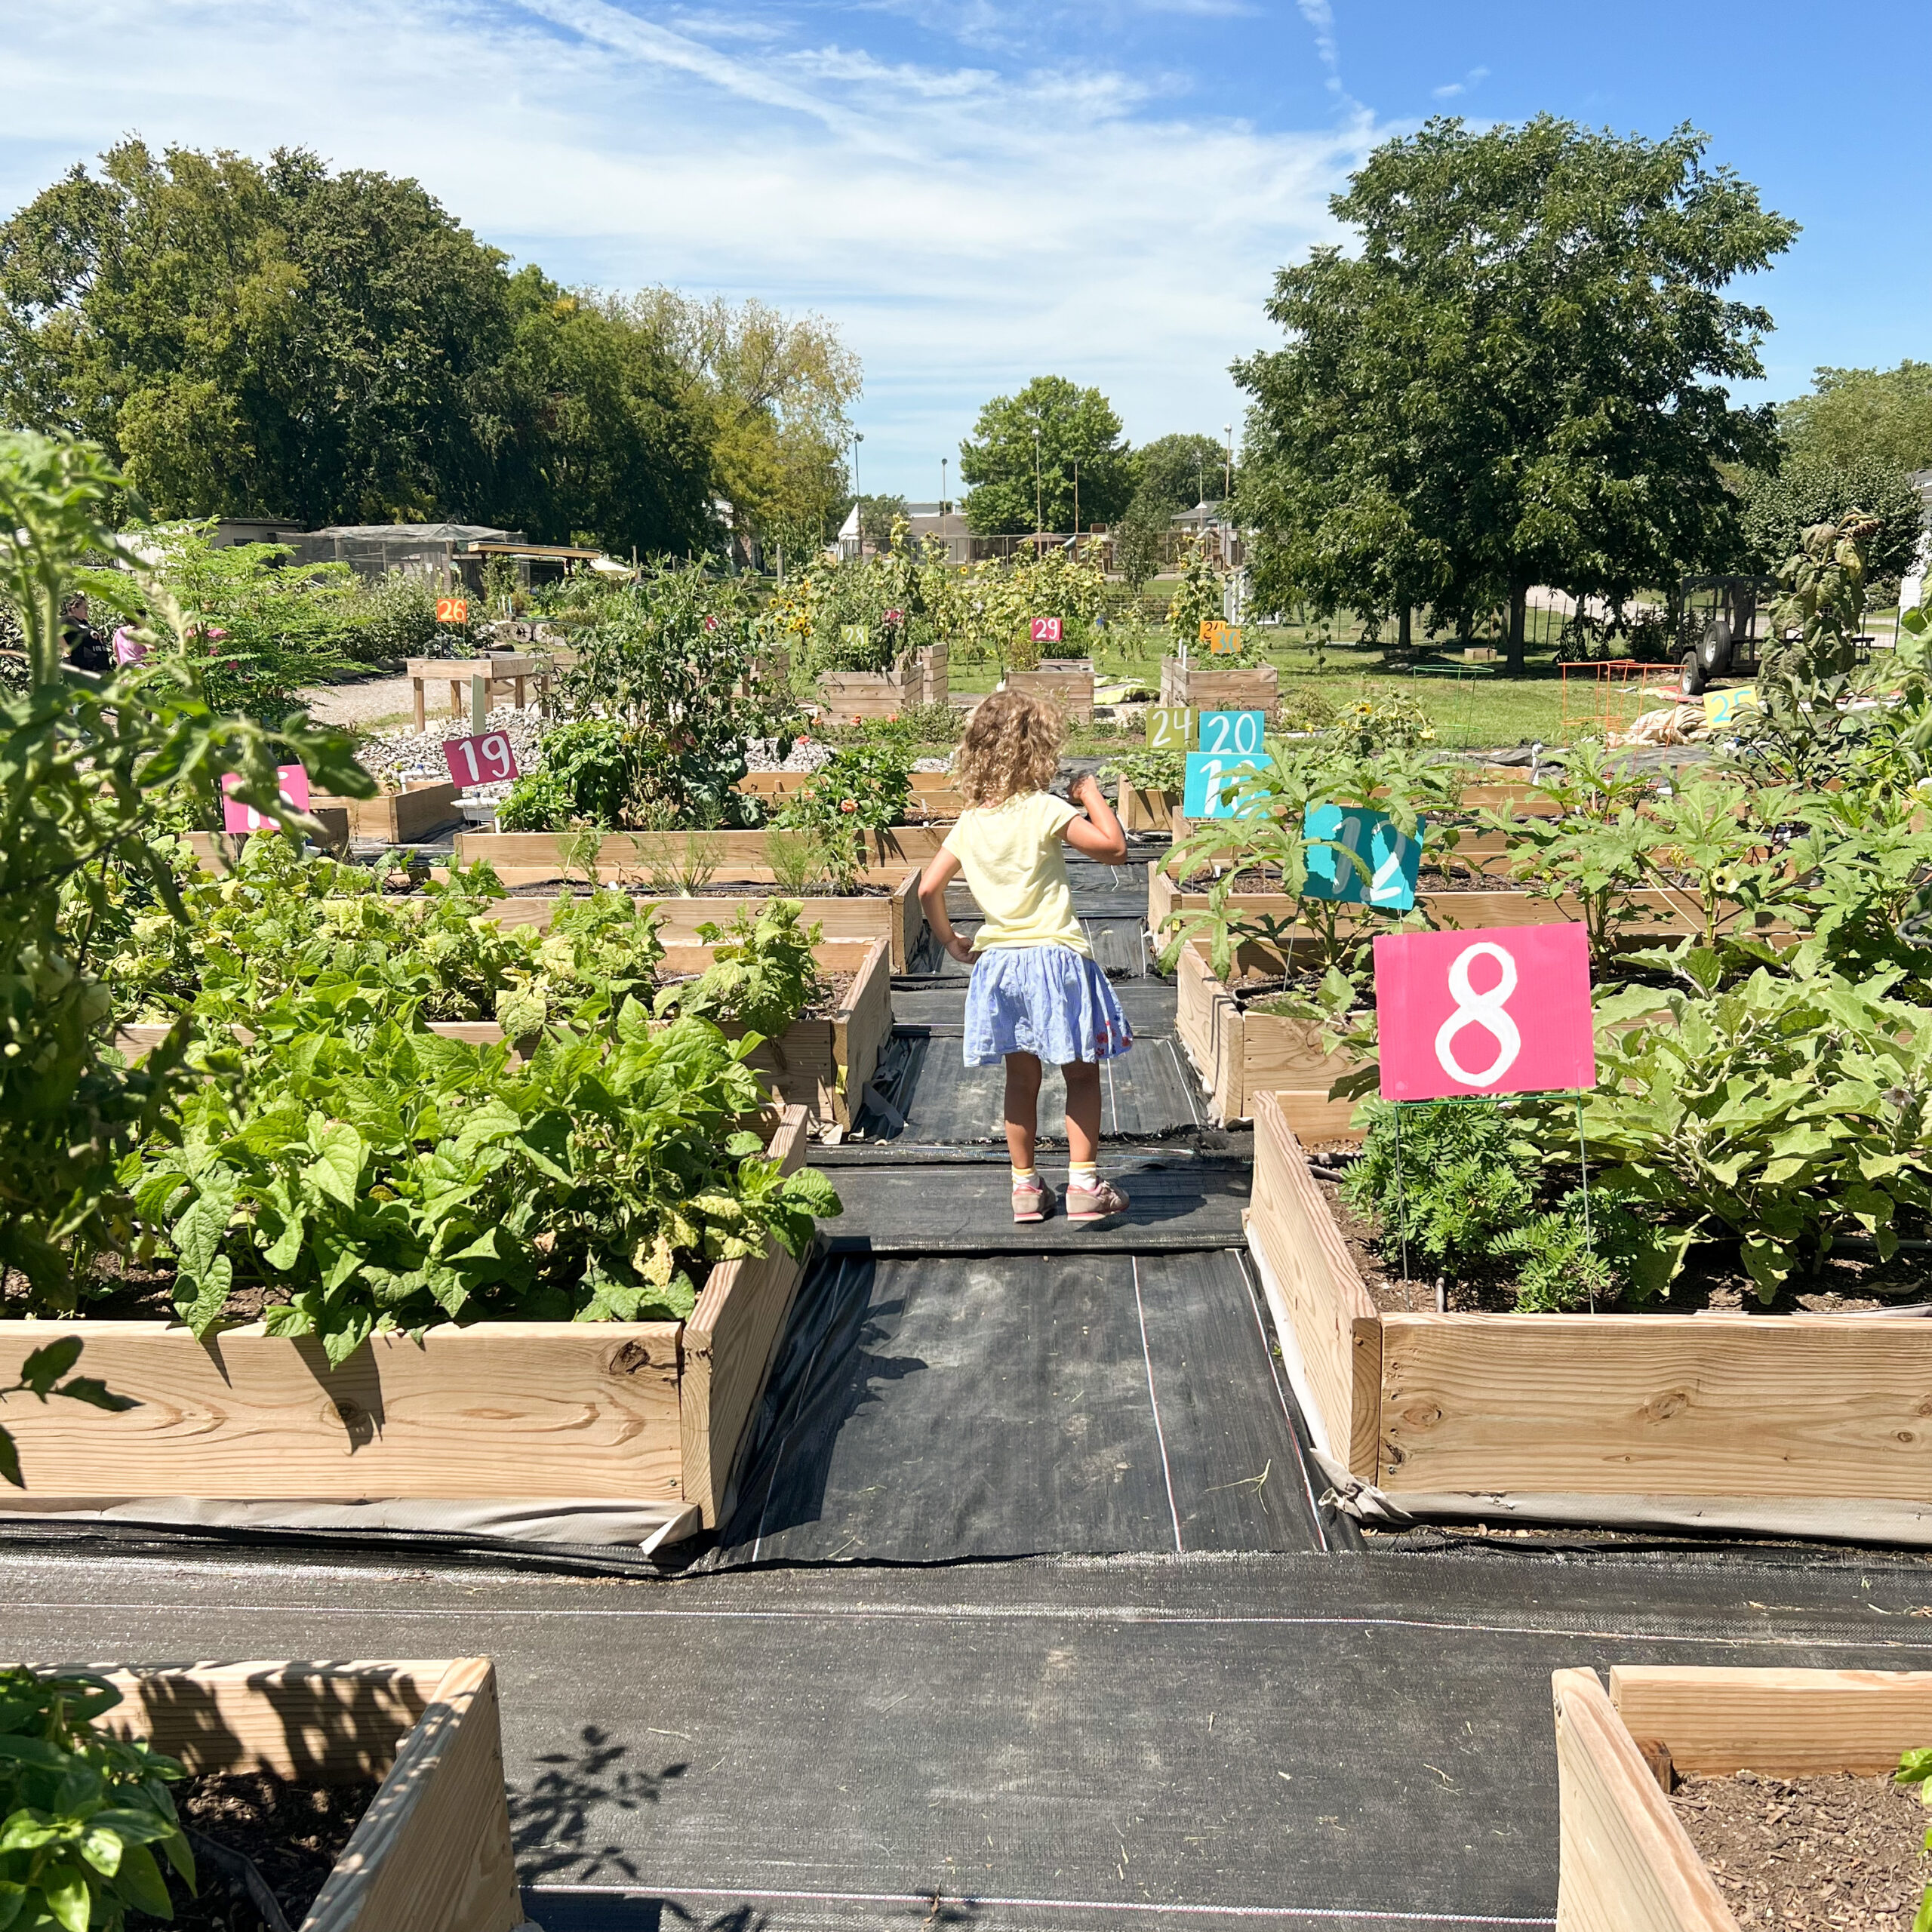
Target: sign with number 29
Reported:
point(1506, 1011)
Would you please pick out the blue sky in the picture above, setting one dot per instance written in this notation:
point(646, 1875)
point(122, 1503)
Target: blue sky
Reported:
point(981, 191)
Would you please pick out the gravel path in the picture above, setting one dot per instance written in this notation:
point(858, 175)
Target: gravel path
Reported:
point(367, 701)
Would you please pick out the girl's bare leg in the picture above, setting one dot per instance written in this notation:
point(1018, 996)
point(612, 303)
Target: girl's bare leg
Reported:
point(1083, 1108)
point(1023, 1108)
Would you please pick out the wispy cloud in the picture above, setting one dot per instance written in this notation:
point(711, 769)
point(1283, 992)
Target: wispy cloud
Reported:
point(1475, 77)
point(968, 223)
point(1320, 16)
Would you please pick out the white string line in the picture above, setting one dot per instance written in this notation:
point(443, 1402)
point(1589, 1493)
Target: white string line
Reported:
point(958, 1613)
point(1251, 1288)
point(1154, 1402)
point(971, 1900)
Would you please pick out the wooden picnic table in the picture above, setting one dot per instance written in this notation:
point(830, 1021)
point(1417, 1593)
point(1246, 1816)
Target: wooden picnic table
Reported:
point(504, 669)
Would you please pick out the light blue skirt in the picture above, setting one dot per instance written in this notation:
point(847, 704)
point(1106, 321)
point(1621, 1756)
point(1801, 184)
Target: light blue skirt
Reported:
point(1045, 1000)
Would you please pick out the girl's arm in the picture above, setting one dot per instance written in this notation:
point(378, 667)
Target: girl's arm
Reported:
point(1098, 836)
point(932, 882)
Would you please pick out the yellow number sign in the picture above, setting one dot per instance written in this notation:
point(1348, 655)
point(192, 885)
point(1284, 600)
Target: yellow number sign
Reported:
point(1169, 728)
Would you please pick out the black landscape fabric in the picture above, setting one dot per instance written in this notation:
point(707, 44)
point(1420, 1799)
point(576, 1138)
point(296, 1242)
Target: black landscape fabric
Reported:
point(931, 1410)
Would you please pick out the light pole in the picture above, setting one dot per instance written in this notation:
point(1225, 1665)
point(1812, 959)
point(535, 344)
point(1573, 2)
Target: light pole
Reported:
point(942, 462)
point(1076, 506)
point(1228, 430)
point(1038, 525)
point(858, 502)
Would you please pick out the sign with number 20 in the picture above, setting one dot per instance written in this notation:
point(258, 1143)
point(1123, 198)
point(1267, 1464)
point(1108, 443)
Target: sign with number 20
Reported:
point(1506, 1011)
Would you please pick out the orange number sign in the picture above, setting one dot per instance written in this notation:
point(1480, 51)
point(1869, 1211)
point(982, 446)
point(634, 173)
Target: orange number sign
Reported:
point(452, 609)
point(1219, 637)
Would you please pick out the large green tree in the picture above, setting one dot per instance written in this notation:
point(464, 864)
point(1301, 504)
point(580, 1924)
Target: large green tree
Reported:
point(1078, 431)
point(1881, 415)
point(278, 339)
point(1179, 471)
point(1520, 378)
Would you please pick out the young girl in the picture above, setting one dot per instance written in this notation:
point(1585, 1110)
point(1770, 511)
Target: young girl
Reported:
point(1036, 993)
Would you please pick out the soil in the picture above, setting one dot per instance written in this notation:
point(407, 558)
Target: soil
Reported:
point(1714, 1283)
point(293, 1832)
point(1832, 1853)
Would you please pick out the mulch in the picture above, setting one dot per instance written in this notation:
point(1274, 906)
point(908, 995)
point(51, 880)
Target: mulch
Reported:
point(294, 1832)
point(1830, 1853)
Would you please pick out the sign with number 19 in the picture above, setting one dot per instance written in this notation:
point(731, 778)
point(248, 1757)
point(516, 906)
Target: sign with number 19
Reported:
point(488, 760)
point(1502, 1011)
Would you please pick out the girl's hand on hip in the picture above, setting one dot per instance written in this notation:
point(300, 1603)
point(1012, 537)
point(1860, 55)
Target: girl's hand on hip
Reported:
point(961, 949)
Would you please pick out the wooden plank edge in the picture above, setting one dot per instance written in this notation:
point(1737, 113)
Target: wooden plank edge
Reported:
point(432, 1853)
point(1626, 1864)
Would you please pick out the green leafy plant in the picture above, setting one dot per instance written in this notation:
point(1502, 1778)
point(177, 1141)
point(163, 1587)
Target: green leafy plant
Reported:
point(1915, 1768)
point(1777, 1113)
point(798, 859)
point(84, 762)
point(600, 950)
point(861, 788)
point(586, 778)
point(383, 1179)
point(1148, 771)
point(684, 870)
point(82, 1813)
point(41, 1376)
point(763, 974)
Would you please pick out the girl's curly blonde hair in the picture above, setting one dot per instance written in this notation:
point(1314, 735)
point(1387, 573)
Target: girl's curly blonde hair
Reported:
point(1012, 745)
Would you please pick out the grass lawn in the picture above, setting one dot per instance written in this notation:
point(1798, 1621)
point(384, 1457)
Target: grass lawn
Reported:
point(1471, 709)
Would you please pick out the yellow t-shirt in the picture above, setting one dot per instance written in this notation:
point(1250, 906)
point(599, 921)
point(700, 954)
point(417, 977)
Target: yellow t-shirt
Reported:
point(1015, 862)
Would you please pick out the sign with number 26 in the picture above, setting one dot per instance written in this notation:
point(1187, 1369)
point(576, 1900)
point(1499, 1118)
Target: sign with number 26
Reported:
point(1506, 1011)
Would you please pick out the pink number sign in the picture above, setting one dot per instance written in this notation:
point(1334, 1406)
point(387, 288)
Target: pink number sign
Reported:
point(1506, 1011)
point(483, 761)
point(293, 782)
point(1046, 630)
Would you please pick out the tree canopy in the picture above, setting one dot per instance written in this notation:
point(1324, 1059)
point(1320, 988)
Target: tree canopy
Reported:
point(1520, 378)
point(1179, 471)
point(277, 339)
point(1779, 508)
point(1077, 427)
point(1883, 414)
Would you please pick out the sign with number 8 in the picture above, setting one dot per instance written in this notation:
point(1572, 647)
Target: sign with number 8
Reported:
point(1506, 1011)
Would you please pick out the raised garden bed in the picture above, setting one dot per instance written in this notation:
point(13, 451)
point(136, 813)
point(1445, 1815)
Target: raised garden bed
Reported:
point(398, 818)
point(1628, 1863)
point(918, 677)
point(895, 916)
point(1069, 681)
point(934, 794)
point(1205, 688)
point(1143, 810)
point(1552, 1415)
point(432, 1852)
point(654, 1412)
point(626, 856)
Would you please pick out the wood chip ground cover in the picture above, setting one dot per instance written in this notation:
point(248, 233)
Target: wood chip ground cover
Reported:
point(1832, 1852)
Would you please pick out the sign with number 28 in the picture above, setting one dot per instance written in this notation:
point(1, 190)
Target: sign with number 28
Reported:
point(1504, 1010)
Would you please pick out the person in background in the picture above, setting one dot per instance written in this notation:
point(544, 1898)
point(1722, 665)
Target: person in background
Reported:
point(1036, 993)
point(86, 649)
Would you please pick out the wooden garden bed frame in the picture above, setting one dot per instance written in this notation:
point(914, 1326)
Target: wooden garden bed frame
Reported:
point(935, 795)
point(918, 676)
point(398, 818)
point(627, 856)
point(1628, 1865)
point(1069, 681)
point(899, 919)
point(651, 1412)
point(820, 1065)
point(1203, 686)
point(432, 1852)
point(1143, 810)
point(1763, 1406)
